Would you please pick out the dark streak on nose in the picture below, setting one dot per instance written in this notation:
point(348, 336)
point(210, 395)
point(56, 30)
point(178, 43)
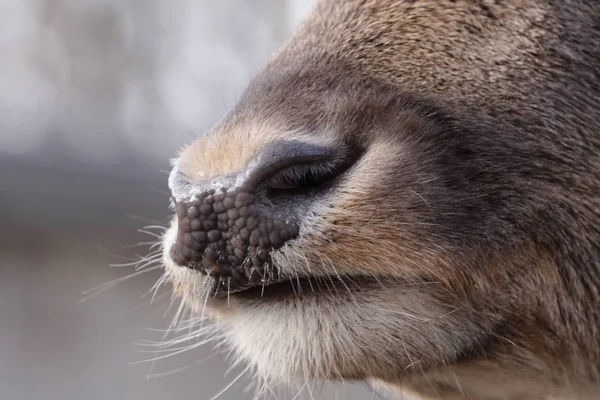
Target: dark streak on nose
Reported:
point(281, 155)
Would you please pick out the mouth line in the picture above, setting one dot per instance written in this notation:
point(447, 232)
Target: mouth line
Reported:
point(294, 287)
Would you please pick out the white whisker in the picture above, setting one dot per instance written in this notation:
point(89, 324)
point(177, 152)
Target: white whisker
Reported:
point(105, 286)
point(231, 384)
point(180, 369)
point(150, 233)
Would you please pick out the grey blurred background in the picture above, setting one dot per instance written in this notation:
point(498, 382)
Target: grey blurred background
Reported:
point(95, 97)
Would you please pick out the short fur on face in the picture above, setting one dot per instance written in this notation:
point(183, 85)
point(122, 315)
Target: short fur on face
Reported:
point(459, 257)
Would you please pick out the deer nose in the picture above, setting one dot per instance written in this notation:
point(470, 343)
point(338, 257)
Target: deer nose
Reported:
point(227, 228)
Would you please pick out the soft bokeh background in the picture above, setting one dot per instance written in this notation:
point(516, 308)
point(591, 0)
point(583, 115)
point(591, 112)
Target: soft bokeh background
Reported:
point(95, 97)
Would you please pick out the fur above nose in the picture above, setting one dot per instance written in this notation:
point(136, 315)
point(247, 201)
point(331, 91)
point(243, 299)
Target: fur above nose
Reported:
point(228, 227)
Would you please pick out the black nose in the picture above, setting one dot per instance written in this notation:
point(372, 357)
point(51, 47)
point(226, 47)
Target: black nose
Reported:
point(227, 228)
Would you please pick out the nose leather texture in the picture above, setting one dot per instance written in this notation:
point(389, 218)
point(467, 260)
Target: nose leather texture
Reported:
point(222, 234)
point(227, 228)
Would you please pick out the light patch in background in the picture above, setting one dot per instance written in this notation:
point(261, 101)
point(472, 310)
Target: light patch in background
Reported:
point(113, 79)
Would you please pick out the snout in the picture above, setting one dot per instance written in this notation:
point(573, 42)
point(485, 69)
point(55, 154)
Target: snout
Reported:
point(226, 234)
point(228, 227)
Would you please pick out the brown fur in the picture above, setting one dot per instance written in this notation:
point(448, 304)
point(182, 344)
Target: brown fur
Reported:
point(480, 127)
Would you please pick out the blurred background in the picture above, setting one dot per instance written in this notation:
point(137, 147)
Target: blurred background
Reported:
point(95, 97)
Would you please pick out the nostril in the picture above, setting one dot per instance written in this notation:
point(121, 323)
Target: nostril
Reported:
point(302, 169)
point(301, 179)
point(279, 156)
